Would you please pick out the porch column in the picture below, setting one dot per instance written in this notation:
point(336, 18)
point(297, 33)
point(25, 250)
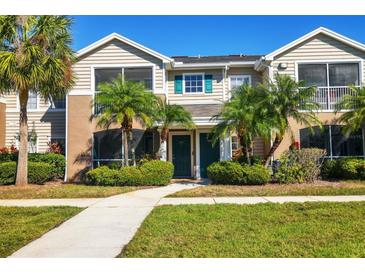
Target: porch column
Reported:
point(225, 148)
point(162, 152)
point(197, 155)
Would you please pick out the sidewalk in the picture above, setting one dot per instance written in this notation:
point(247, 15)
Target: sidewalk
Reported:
point(101, 230)
point(257, 200)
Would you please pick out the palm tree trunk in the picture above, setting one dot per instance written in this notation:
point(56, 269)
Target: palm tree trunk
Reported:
point(163, 144)
point(126, 150)
point(22, 167)
point(273, 148)
point(248, 156)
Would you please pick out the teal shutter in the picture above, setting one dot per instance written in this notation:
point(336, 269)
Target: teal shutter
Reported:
point(178, 84)
point(208, 83)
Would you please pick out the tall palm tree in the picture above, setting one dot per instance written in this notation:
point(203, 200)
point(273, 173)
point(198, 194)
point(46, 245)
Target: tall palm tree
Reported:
point(167, 115)
point(354, 119)
point(35, 55)
point(242, 115)
point(288, 99)
point(120, 103)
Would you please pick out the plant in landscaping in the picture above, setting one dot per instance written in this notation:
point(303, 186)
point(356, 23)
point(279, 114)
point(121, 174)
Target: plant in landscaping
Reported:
point(155, 172)
point(55, 147)
point(353, 119)
point(35, 56)
point(120, 103)
point(256, 174)
point(286, 99)
point(38, 173)
point(344, 168)
point(167, 115)
point(300, 166)
point(244, 116)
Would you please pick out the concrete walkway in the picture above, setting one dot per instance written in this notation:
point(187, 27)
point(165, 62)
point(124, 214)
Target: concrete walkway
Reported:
point(257, 200)
point(101, 230)
point(77, 202)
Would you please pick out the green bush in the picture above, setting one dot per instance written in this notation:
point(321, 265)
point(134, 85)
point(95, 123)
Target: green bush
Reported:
point(300, 166)
point(154, 172)
point(56, 160)
point(232, 173)
point(242, 159)
point(38, 173)
point(256, 175)
point(226, 173)
point(344, 168)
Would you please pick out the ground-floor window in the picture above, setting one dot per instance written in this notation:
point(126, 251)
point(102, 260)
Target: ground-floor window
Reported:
point(108, 146)
point(331, 138)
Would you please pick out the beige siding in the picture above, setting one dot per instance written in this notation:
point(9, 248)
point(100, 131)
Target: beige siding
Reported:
point(47, 124)
point(11, 100)
point(2, 123)
point(114, 53)
point(320, 47)
point(196, 98)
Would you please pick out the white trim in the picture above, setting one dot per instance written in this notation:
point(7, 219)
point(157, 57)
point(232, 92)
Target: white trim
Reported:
point(239, 75)
point(180, 65)
point(171, 133)
point(66, 140)
point(315, 32)
point(80, 93)
point(29, 110)
point(123, 39)
point(203, 83)
point(36, 145)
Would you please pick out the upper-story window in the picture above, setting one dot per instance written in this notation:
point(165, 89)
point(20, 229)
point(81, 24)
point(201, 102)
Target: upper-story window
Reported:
point(329, 74)
point(143, 74)
point(193, 83)
point(239, 80)
point(32, 100)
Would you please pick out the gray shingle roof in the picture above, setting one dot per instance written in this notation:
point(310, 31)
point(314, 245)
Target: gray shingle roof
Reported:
point(216, 59)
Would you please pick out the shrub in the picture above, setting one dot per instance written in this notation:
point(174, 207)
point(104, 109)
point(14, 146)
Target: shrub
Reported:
point(154, 172)
point(256, 175)
point(232, 173)
point(300, 166)
point(56, 160)
point(344, 168)
point(226, 172)
point(38, 173)
point(242, 159)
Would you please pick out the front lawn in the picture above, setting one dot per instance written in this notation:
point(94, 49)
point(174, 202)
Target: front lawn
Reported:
point(50, 191)
point(318, 188)
point(21, 225)
point(262, 230)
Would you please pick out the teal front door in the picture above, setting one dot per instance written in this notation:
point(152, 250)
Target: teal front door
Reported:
point(181, 155)
point(208, 154)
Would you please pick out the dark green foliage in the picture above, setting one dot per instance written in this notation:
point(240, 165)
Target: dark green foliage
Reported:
point(56, 160)
point(232, 173)
point(38, 173)
point(156, 173)
point(242, 159)
point(344, 168)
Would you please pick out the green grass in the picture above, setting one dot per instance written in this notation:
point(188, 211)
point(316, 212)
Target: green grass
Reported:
point(264, 230)
point(320, 188)
point(21, 225)
point(53, 191)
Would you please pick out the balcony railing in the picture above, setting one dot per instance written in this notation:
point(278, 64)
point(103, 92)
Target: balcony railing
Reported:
point(328, 97)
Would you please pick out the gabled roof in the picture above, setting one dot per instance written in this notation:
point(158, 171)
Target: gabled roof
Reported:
point(123, 39)
point(321, 30)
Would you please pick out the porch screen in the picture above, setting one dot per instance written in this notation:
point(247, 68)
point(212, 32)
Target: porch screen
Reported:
point(313, 74)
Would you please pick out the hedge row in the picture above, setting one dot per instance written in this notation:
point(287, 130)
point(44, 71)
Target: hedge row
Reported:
point(233, 173)
point(344, 168)
point(38, 173)
point(56, 160)
point(152, 173)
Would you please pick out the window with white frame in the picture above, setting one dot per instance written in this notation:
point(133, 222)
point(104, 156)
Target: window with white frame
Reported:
point(235, 145)
point(32, 145)
point(193, 83)
point(32, 100)
point(239, 80)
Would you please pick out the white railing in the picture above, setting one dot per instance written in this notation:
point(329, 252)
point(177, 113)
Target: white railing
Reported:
point(328, 97)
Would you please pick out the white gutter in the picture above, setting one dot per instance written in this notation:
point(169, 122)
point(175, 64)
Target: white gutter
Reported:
point(212, 65)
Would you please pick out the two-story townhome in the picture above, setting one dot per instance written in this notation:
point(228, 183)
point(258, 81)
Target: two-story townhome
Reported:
point(201, 84)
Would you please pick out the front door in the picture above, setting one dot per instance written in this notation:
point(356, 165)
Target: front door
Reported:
point(208, 154)
point(181, 155)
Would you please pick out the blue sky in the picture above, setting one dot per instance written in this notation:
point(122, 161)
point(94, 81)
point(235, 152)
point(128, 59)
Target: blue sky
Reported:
point(212, 35)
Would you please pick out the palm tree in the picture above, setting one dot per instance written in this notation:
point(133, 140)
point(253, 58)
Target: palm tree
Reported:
point(35, 55)
point(354, 119)
point(242, 115)
point(167, 115)
point(288, 99)
point(120, 103)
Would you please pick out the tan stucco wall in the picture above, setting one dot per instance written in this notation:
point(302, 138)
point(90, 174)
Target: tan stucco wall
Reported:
point(327, 118)
point(2, 124)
